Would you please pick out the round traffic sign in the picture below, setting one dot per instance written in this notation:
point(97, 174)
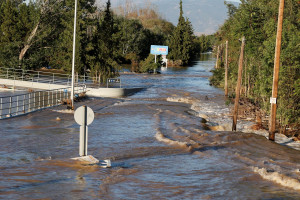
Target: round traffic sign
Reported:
point(84, 113)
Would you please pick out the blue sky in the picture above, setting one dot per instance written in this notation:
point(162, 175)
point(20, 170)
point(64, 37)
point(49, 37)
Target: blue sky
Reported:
point(205, 15)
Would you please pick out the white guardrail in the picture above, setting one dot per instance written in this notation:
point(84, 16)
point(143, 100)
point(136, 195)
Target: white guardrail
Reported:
point(46, 77)
point(12, 106)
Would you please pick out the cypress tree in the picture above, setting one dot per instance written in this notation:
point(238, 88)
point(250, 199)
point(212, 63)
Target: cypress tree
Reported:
point(9, 22)
point(8, 38)
point(104, 43)
point(181, 40)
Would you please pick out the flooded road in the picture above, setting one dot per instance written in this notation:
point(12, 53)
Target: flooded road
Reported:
point(157, 143)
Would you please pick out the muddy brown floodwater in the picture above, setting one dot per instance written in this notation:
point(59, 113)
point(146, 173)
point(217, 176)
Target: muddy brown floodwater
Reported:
point(157, 144)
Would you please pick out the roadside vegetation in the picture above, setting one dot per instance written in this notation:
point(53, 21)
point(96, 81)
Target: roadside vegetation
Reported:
point(40, 34)
point(257, 21)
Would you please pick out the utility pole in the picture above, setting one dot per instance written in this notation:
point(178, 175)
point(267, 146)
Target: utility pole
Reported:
point(273, 99)
point(226, 69)
point(217, 62)
point(238, 86)
point(73, 60)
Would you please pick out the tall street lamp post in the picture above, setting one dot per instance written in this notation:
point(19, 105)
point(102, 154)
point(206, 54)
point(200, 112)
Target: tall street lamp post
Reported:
point(73, 59)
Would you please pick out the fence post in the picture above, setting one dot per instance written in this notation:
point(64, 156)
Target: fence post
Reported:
point(56, 97)
point(238, 86)
point(1, 109)
point(34, 102)
point(43, 100)
point(24, 103)
point(48, 99)
point(10, 102)
point(39, 100)
point(17, 109)
point(226, 69)
point(29, 102)
point(218, 55)
point(60, 95)
point(22, 74)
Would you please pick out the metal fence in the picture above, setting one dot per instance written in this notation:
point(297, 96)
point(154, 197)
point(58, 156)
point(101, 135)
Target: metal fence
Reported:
point(11, 106)
point(46, 77)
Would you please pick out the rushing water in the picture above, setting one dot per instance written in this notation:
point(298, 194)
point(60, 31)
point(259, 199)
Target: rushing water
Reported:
point(157, 143)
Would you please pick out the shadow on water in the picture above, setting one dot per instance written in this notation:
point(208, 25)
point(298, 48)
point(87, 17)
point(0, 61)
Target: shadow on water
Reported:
point(31, 185)
point(208, 148)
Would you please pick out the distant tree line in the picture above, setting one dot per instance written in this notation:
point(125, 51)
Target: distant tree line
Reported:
point(40, 34)
point(257, 21)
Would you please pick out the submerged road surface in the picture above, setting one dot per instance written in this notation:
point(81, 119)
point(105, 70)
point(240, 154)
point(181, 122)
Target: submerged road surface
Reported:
point(157, 144)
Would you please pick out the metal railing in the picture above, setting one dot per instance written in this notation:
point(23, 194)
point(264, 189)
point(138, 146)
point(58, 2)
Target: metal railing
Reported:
point(12, 106)
point(46, 77)
point(34, 76)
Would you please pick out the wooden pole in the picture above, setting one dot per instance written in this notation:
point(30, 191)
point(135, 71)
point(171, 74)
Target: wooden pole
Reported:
point(273, 100)
point(226, 69)
point(238, 86)
point(221, 52)
point(218, 53)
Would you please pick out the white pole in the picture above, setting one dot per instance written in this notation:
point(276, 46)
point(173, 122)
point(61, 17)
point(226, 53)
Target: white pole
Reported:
point(83, 138)
point(73, 60)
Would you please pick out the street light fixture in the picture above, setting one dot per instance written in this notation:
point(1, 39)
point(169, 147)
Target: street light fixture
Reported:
point(73, 60)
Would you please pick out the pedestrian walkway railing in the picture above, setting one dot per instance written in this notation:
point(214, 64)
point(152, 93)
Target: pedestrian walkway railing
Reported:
point(12, 106)
point(34, 76)
point(47, 77)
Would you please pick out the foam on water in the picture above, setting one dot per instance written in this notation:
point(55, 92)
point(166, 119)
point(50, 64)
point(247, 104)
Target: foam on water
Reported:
point(218, 119)
point(68, 111)
point(278, 178)
point(160, 137)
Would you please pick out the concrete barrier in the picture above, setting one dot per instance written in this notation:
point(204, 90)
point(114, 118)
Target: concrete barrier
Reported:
point(28, 84)
point(90, 92)
point(112, 92)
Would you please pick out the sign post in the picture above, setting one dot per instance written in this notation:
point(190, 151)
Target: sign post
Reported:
point(159, 50)
point(113, 80)
point(84, 116)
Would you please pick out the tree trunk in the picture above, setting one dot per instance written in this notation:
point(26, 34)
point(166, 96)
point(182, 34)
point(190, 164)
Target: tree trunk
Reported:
point(28, 43)
point(33, 33)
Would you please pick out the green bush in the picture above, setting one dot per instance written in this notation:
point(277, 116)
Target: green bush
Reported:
point(149, 65)
point(218, 77)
